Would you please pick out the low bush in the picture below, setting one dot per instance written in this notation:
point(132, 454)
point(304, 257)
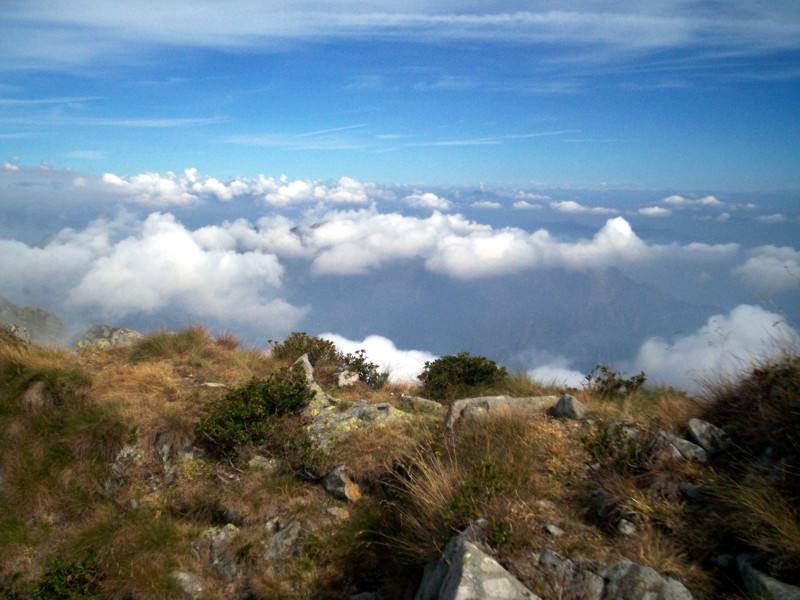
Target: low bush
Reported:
point(261, 412)
point(605, 383)
point(450, 376)
point(367, 371)
point(299, 343)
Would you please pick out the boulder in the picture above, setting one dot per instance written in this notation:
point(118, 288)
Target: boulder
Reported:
point(19, 333)
point(421, 403)
point(346, 378)
point(43, 326)
point(709, 437)
point(339, 484)
point(762, 585)
point(190, 584)
point(221, 554)
point(331, 423)
point(569, 408)
point(470, 408)
point(283, 541)
point(465, 572)
point(667, 445)
point(626, 580)
point(566, 576)
point(105, 336)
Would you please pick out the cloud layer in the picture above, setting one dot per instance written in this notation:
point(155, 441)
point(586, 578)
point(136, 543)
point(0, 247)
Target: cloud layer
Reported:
point(722, 348)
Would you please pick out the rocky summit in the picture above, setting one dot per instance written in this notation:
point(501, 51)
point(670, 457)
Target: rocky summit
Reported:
point(179, 465)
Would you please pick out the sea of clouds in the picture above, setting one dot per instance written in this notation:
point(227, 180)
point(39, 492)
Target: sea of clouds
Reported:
point(253, 256)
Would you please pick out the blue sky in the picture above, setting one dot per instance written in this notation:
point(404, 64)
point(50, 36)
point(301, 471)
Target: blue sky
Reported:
point(679, 95)
point(552, 185)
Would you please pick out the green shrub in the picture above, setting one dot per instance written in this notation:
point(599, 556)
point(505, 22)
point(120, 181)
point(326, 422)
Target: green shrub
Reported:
point(450, 376)
point(299, 343)
point(607, 384)
point(63, 580)
point(367, 371)
point(259, 412)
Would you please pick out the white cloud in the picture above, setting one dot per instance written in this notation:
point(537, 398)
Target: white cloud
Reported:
point(151, 189)
point(114, 269)
point(558, 374)
point(772, 219)
point(771, 269)
point(427, 200)
point(525, 205)
point(721, 348)
point(486, 204)
point(705, 201)
point(9, 167)
point(355, 242)
point(154, 189)
point(723, 218)
point(655, 211)
point(570, 206)
point(402, 365)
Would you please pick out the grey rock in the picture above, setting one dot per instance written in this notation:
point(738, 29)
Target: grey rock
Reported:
point(220, 551)
point(421, 403)
point(709, 437)
point(471, 408)
point(338, 513)
point(547, 504)
point(105, 336)
point(465, 572)
point(667, 446)
point(129, 456)
point(626, 580)
point(329, 424)
point(690, 451)
point(626, 527)
point(190, 584)
point(283, 541)
point(554, 530)
point(569, 408)
point(168, 451)
point(762, 585)
point(307, 368)
point(566, 576)
point(346, 378)
point(19, 332)
point(43, 326)
point(339, 484)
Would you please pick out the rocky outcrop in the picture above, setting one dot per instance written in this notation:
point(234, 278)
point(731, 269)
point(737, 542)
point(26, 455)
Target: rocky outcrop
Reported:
point(283, 541)
point(422, 404)
point(331, 419)
point(625, 580)
point(709, 437)
point(465, 572)
point(569, 408)
point(221, 551)
point(568, 577)
point(340, 484)
point(190, 584)
point(43, 326)
point(105, 336)
point(470, 408)
point(762, 585)
point(19, 333)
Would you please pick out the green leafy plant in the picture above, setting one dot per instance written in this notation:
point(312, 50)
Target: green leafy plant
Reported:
point(259, 412)
point(299, 343)
point(449, 376)
point(367, 371)
point(607, 384)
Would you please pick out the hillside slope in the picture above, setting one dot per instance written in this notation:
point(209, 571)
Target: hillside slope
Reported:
point(184, 466)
